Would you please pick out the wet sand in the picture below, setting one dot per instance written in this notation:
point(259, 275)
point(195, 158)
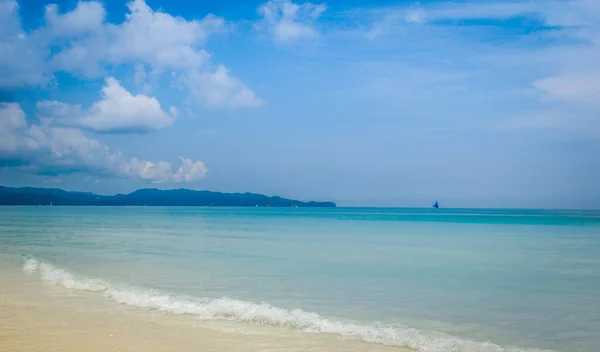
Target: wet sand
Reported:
point(38, 317)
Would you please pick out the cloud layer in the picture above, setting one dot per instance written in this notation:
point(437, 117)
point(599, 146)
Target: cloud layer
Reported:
point(49, 150)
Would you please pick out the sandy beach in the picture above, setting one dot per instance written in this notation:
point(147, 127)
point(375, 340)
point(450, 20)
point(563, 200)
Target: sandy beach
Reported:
point(35, 316)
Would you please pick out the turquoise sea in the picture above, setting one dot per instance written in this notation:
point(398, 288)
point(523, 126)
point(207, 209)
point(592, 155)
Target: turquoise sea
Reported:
point(434, 280)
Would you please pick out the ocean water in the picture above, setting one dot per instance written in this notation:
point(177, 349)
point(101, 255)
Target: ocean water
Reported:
point(433, 280)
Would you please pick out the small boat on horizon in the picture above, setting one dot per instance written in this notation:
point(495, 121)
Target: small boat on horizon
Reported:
point(436, 205)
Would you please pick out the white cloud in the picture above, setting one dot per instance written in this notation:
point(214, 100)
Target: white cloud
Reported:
point(574, 88)
point(11, 117)
point(158, 40)
point(219, 88)
point(559, 58)
point(287, 21)
point(572, 13)
point(386, 20)
point(87, 17)
point(155, 172)
point(117, 112)
point(21, 60)
point(120, 111)
point(12, 123)
point(189, 171)
point(52, 111)
point(162, 172)
point(570, 99)
point(154, 38)
point(82, 43)
point(578, 79)
point(55, 150)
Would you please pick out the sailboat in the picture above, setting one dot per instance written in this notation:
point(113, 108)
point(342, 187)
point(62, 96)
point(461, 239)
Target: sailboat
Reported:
point(436, 205)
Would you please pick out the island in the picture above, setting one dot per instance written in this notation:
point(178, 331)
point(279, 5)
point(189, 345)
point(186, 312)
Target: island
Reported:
point(147, 197)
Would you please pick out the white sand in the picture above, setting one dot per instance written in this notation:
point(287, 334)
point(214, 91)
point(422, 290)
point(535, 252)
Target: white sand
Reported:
point(37, 317)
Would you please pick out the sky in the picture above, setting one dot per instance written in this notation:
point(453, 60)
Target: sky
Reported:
point(365, 103)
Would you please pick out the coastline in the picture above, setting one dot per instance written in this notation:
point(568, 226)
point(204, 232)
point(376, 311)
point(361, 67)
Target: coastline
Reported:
point(433, 282)
point(37, 317)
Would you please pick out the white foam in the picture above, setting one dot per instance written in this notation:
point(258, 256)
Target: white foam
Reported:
point(56, 276)
point(264, 313)
point(31, 266)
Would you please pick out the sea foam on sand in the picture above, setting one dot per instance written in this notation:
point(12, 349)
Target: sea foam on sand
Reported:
point(265, 314)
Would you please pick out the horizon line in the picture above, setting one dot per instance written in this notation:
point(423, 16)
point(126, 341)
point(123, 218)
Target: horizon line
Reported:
point(305, 201)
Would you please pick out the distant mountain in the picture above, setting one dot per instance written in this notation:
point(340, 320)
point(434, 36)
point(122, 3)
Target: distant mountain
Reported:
point(149, 197)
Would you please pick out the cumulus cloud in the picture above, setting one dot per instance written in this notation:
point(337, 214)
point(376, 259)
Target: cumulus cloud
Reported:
point(52, 150)
point(120, 111)
point(21, 60)
point(189, 170)
point(81, 42)
point(161, 172)
point(146, 38)
point(11, 117)
point(117, 112)
point(87, 17)
point(12, 124)
point(287, 21)
point(154, 38)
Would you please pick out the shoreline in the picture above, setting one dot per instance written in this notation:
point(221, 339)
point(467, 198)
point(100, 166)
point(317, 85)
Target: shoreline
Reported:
point(35, 316)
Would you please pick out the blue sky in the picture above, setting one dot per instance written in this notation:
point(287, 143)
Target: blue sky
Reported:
point(379, 103)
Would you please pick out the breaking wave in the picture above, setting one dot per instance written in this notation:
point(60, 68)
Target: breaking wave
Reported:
point(263, 313)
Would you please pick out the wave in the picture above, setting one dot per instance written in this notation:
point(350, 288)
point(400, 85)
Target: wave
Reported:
point(226, 308)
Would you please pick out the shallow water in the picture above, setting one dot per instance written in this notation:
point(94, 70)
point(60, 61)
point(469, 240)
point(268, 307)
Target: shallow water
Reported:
point(436, 280)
